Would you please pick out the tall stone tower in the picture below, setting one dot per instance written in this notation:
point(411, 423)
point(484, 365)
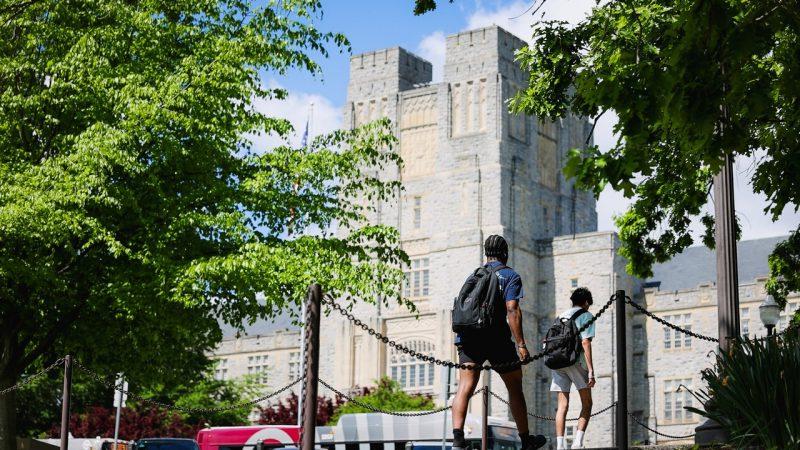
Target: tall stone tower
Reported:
point(471, 169)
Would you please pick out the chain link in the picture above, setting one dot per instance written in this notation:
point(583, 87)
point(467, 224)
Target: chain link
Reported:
point(552, 419)
point(33, 377)
point(328, 300)
point(639, 307)
point(247, 404)
point(391, 413)
point(635, 419)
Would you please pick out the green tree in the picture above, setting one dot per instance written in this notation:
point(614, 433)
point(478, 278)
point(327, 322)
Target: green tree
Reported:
point(692, 82)
point(387, 395)
point(138, 207)
point(209, 393)
point(39, 413)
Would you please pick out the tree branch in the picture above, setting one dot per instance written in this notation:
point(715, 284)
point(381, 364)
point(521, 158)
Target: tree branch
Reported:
point(49, 338)
point(594, 124)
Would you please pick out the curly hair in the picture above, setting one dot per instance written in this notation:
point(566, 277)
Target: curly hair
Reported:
point(580, 296)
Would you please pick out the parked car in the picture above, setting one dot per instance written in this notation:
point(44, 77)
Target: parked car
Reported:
point(166, 444)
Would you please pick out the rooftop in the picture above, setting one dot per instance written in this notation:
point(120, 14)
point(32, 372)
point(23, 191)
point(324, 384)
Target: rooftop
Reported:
point(261, 327)
point(698, 265)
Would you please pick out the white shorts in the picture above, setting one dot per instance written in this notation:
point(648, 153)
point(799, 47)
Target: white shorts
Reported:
point(564, 378)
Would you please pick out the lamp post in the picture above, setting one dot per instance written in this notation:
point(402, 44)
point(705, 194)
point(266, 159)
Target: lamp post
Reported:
point(770, 314)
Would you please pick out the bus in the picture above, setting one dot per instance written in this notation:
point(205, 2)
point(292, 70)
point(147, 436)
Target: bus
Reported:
point(366, 432)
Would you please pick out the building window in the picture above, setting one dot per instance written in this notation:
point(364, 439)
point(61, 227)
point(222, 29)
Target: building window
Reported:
point(786, 315)
point(417, 212)
point(411, 373)
point(294, 366)
point(221, 370)
point(417, 279)
point(676, 398)
point(257, 367)
point(687, 324)
point(745, 316)
point(675, 338)
point(573, 282)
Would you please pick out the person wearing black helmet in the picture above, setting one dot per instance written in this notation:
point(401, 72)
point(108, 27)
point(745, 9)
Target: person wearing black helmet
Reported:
point(501, 343)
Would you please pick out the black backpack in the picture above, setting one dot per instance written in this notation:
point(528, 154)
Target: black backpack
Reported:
point(477, 306)
point(563, 343)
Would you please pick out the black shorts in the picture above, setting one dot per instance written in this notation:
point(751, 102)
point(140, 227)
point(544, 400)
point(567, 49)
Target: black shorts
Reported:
point(478, 350)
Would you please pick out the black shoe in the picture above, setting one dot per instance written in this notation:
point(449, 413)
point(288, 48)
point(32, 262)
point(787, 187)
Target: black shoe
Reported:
point(534, 442)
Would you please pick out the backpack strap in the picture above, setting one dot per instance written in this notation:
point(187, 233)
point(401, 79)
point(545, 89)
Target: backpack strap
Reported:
point(577, 314)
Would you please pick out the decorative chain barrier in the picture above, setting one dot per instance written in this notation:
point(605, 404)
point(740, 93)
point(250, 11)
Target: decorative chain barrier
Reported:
point(552, 419)
point(33, 377)
point(698, 336)
point(248, 404)
point(328, 300)
point(391, 413)
point(670, 436)
point(668, 324)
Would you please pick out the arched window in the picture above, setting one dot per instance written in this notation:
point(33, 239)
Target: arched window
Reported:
point(412, 374)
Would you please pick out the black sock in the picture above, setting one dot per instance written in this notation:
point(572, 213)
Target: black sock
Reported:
point(458, 438)
point(524, 436)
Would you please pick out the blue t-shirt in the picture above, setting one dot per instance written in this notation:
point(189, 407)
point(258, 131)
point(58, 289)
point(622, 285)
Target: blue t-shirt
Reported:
point(510, 285)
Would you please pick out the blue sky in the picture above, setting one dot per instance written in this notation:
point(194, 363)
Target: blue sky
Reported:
point(370, 25)
point(376, 24)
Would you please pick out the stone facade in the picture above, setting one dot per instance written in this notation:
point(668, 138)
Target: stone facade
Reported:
point(473, 169)
point(665, 363)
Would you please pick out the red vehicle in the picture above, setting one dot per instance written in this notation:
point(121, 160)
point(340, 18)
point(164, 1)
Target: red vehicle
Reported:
point(248, 438)
point(365, 432)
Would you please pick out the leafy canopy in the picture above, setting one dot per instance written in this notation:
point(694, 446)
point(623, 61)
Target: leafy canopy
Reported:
point(691, 82)
point(139, 204)
point(387, 395)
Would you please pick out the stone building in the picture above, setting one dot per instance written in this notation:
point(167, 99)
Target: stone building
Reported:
point(666, 365)
point(473, 169)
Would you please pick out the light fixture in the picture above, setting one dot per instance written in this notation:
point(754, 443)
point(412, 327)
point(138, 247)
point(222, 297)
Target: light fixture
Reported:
point(770, 313)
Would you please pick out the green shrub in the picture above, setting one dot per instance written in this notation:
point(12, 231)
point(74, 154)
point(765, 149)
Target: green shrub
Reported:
point(753, 391)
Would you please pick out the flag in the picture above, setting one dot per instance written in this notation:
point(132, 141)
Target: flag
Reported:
point(304, 140)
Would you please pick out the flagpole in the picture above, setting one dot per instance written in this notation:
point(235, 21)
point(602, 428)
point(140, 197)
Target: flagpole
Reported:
point(310, 121)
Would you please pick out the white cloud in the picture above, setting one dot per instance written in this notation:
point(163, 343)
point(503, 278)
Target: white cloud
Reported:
point(297, 108)
point(432, 48)
point(517, 17)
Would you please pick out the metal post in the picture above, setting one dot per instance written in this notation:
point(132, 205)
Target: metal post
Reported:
point(710, 432)
point(446, 396)
point(118, 400)
point(312, 367)
point(65, 400)
point(485, 424)
point(727, 274)
point(622, 373)
point(301, 397)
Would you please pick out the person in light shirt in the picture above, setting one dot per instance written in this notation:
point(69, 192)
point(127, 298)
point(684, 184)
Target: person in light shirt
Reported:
point(581, 374)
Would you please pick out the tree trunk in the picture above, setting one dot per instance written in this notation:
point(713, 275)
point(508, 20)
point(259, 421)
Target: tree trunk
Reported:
point(8, 415)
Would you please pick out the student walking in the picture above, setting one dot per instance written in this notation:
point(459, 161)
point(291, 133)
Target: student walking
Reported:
point(572, 363)
point(486, 315)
